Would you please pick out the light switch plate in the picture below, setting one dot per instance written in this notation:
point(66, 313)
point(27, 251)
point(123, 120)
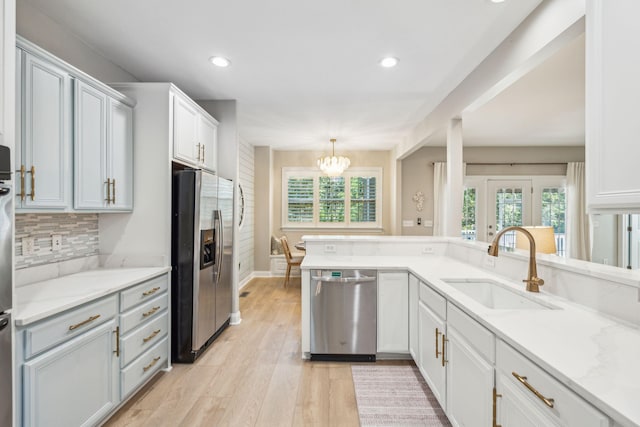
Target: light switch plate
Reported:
point(56, 242)
point(329, 249)
point(28, 245)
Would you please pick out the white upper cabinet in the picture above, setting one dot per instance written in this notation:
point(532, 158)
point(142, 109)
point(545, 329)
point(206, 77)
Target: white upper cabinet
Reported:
point(208, 132)
point(103, 148)
point(44, 152)
point(185, 131)
point(612, 103)
point(120, 154)
point(90, 147)
point(194, 134)
point(74, 136)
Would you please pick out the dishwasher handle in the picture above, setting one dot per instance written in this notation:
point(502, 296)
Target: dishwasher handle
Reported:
point(360, 279)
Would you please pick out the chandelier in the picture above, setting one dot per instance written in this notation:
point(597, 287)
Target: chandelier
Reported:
point(332, 165)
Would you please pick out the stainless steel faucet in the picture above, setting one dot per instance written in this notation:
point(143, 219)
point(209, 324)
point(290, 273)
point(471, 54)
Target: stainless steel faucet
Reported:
point(533, 281)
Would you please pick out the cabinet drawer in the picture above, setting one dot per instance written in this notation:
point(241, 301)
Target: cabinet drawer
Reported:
point(143, 292)
point(142, 338)
point(433, 300)
point(568, 408)
point(53, 331)
point(143, 313)
point(143, 367)
point(477, 335)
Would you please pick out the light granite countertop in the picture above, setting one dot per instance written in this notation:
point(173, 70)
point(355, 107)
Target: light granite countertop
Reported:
point(42, 299)
point(595, 356)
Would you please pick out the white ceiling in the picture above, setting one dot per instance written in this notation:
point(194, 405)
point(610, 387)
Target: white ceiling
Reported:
point(544, 107)
point(302, 71)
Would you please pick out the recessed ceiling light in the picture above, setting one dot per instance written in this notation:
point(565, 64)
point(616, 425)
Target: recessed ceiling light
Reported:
point(389, 62)
point(220, 61)
point(497, 1)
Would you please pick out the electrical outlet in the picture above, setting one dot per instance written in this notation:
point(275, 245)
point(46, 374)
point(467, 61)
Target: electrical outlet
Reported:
point(56, 242)
point(489, 261)
point(28, 245)
point(427, 250)
point(329, 249)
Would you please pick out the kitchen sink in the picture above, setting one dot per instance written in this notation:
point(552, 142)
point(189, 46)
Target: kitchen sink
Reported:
point(497, 296)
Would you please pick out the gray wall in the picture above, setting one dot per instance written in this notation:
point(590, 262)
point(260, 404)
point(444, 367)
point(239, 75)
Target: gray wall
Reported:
point(48, 34)
point(417, 172)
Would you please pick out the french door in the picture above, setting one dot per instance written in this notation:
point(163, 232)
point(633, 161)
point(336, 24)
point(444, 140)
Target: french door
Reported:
point(509, 203)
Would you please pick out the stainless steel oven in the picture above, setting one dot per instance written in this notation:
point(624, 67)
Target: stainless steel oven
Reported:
point(344, 315)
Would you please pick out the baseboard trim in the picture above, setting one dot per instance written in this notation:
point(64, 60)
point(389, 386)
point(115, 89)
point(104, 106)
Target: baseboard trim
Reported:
point(236, 319)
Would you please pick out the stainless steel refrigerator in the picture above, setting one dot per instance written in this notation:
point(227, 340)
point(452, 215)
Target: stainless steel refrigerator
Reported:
point(202, 260)
point(6, 251)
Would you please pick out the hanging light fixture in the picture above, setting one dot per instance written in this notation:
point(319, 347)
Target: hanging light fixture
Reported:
point(332, 165)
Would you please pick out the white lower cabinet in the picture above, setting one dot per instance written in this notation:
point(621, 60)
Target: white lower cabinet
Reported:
point(74, 384)
point(79, 365)
point(469, 383)
point(432, 329)
point(414, 284)
point(393, 318)
point(529, 396)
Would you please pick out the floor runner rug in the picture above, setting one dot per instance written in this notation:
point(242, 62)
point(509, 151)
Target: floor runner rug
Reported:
point(395, 396)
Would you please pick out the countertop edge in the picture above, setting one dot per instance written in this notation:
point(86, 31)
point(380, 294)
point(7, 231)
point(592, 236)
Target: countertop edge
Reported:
point(149, 273)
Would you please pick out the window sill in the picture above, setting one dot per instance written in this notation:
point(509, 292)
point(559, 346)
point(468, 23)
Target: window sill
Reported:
point(334, 229)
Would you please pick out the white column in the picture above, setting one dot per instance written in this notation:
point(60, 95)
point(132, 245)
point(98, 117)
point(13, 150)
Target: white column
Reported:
point(455, 178)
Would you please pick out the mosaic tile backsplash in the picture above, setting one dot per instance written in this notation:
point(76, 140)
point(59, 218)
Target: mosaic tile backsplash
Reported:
point(79, 237)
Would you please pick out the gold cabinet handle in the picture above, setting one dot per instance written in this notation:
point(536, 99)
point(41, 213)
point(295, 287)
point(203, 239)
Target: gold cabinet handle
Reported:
point(108, 182)
point(444, 340)
point(84, 322)
point(438, 333)
point(151, 291)
point(22, 173)
point(198, 145)
point(150, 312)
point(150, 365)
point(113, 193)
point(33, 183)
point(150, 337)
point(547, 401)
point(495, 408)
point(202, 153)
point(117, 332)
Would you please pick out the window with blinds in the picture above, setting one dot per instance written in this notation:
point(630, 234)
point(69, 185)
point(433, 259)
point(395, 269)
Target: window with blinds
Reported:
point(300, 199)
point(363, 199)
point(312, 199)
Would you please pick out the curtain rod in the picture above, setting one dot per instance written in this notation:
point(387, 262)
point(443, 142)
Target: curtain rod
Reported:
point(513, 164)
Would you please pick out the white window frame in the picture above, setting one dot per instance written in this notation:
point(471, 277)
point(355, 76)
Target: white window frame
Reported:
point(300, 172)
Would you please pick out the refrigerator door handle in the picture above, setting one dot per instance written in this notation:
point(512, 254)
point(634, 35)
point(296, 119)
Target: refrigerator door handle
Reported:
point(217, 224)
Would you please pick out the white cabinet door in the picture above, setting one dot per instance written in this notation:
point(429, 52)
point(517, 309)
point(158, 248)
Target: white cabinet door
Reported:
point(432, 329)
point(612, 103)
point(208, 137)
point(186, 146)
point(90, 147)
point(414, 297)
point(74, 384)
point(469, 383)
point(515, 408)
point(393, 316)
point(46, 135)
point(120, 155)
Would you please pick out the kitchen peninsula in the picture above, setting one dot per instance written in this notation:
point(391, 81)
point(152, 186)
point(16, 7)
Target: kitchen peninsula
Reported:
point(570, 358)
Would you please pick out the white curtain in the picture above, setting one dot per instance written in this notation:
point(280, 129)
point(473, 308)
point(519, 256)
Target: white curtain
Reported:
point(578, 228)
point(439, 198)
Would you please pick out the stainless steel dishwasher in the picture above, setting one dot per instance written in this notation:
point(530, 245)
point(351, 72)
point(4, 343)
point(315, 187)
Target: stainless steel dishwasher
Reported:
point(344, 315)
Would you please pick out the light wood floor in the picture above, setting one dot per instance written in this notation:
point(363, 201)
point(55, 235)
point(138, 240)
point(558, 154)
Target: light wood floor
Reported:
point(252, 375)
